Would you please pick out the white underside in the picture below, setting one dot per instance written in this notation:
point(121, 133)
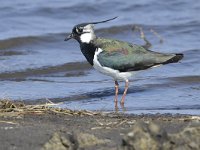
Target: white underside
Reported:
point(110, 72)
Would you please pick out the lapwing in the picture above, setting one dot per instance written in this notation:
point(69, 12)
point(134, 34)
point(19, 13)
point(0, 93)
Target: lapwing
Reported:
point(115, 58)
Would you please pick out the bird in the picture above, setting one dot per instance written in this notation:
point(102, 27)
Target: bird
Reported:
point(119, 59)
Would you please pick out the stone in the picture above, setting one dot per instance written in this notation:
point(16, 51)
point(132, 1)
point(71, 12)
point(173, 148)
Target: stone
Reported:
point(151, 137)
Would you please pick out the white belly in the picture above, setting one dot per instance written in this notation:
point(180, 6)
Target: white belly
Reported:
point(108, 71)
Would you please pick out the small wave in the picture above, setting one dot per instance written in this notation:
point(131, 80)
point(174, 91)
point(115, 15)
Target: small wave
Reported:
point(29, 40)
point(18, 41)
point(45, 70)
point(11, 53)
point(192, 26)
point(186, 79)
point(182, 27)
point(180, 107)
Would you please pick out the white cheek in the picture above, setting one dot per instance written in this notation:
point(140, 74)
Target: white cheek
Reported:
point(86, 37)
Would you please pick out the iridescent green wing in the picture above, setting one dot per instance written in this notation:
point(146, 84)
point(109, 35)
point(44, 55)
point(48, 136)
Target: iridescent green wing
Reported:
point(124, 56)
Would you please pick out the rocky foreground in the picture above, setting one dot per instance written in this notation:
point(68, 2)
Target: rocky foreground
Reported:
point(42, 127)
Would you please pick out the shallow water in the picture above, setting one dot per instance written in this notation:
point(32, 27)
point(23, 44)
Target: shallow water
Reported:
point(36, 64)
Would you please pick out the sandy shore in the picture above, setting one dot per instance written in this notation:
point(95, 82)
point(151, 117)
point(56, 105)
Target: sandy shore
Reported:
point(53, 130)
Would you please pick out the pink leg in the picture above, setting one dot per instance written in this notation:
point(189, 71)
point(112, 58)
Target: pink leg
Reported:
point(125, 91)
point(116, 91)
point(116, 107)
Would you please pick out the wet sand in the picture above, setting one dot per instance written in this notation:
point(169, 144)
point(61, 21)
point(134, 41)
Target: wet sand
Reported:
point(53, 130)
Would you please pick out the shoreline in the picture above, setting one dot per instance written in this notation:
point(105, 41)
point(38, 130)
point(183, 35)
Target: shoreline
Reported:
point(41, 127)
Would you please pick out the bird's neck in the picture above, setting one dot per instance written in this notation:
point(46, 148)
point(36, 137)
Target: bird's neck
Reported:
point(88, 50)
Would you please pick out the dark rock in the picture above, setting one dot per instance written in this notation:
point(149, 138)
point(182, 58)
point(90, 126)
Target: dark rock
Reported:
point(150, 137)
point(73, 141)
point(87, 140)
point(59, 142)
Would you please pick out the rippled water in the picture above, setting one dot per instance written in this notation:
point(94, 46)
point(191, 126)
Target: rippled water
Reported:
point(36, 64)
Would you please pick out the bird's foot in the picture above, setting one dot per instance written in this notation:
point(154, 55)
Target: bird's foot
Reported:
point(121, 104)
point(116, 99)
point(122, 100)
point(122, 107)
point(116, 107)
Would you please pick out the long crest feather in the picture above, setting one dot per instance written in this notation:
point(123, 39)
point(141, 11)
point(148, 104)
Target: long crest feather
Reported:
point(103, 21)
point(84, 24)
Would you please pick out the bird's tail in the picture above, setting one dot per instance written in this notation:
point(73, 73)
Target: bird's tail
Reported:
point(174, 59)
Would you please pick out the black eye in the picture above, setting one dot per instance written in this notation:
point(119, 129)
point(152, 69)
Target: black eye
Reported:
point(79, 30)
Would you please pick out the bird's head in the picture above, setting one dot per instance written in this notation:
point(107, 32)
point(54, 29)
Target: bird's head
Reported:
point(84, 32)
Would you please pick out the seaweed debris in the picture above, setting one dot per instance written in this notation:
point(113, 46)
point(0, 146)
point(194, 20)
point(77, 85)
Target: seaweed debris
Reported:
point(8, 106)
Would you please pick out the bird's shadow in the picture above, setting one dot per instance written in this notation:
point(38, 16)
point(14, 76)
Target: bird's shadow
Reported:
point(110, 92)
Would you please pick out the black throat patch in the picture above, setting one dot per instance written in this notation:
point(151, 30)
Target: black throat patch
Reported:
point(88, 51)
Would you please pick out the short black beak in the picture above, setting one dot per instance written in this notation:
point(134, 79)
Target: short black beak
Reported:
point(69, 37)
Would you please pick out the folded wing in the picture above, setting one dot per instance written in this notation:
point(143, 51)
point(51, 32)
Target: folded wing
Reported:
point(125, 57)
